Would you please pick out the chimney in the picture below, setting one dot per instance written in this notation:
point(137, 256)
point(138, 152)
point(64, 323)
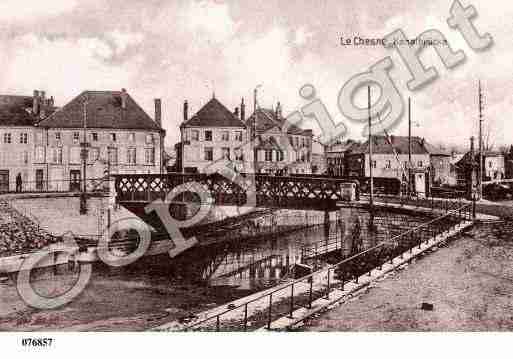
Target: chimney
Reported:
point(278, 110)
point(236, 112)
point(124, 96)
point(51, 101)
point(43, 97)
point(243, 111)
point(185, 111)
point(35, 103)
point(158, 111)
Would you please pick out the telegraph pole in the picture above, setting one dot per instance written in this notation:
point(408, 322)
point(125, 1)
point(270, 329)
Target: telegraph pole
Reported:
point(371, 196)
point(480, 179)
point(83, 155)
point(409, 147)
point(254, 129)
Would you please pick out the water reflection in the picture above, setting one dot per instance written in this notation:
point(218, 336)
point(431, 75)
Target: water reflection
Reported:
point(267, 260)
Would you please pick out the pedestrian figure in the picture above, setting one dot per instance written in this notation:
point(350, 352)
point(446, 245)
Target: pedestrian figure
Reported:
point(19, 182)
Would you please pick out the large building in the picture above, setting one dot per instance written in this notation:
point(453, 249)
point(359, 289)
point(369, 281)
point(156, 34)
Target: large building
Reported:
point(216, 136)
point(493, 167)
point(18, 116)
point(281, 147)
point(213, 137)
point(119, 136)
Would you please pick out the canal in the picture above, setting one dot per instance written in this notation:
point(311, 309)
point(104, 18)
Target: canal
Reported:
point(157, 289)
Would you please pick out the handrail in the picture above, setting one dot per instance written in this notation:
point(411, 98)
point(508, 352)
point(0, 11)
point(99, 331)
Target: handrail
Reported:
point(329, 268)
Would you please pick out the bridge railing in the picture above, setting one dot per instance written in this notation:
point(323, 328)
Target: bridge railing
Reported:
point(271, 191)
point(333, 277)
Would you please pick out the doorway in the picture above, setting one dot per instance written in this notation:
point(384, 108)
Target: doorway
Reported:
point(4, 181)
point(40, 180)
point(75, 181)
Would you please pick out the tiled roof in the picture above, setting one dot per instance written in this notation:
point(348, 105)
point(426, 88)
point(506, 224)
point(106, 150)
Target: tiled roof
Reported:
point(466, 159)
point(104, 110)
point(400, 143)
point(214, 114)
point(16, 111)
point(268, 144)
point(268, 119)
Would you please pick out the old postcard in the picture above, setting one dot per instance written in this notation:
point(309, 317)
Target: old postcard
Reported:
point(256, 166)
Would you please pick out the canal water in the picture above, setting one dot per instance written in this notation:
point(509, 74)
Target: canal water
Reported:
point(159, 289)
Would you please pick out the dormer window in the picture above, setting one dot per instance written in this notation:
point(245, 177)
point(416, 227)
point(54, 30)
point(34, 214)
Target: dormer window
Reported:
point(57, 136)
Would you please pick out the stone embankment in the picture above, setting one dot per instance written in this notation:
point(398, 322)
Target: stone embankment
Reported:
point(19, 234)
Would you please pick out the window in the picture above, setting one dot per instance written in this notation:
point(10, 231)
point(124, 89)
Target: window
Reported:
point(373, 164)
point(113, 137)
point(57, 136)
point(225, 153)
point(149, 139)
point(132, 156)
point(225, 136)
point(94, 136)
point(238, 136)
point(195, 135)
point(131, 137)
point(25, 157)
point(388, 165)
point(7, 138)
point(490, 164)
point(419, 163)
point(112, 155)
point(149, 156)
point(280, 155)
point(239, 155)
point(209, 153)
point(57, 155)
point(94, 154)
point(24, 138)
point(268, 155)
point(40, 154)
point(39, 137)
point(76, 137)
point(74, 155)
point(208, 135)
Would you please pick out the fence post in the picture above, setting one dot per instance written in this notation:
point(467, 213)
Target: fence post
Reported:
point(291, 301)
point(269, 312)
point(246, 317)
point(328, 289)
point(310, 295)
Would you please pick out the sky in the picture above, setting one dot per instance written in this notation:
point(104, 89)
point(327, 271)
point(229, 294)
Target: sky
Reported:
point(188, 50)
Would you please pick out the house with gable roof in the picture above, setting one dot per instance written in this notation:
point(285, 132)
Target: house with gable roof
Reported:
point(212, 138)
point(281, 147)
point(119, 135)
point(18, 116)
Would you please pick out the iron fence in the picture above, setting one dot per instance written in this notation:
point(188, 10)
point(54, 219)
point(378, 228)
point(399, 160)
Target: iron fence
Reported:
point(335, 276)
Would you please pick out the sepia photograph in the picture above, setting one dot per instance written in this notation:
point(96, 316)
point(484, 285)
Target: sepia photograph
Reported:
point(333, 171)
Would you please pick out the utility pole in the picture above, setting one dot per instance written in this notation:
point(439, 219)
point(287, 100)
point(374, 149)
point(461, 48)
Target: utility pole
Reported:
point(480, 179)
point(371, 196)
point(84, 155)
point(254, 129)
point(409, 148)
